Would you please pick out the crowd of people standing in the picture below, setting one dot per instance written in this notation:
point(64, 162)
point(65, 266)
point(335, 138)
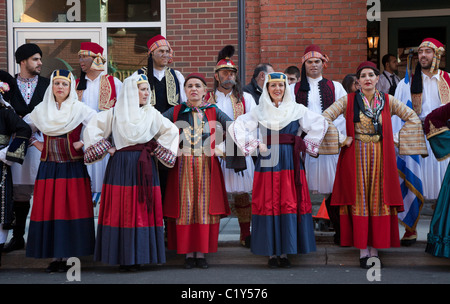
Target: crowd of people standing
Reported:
point(166, 158)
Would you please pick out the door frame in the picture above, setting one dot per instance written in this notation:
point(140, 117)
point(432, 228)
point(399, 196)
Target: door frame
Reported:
point(21, 35)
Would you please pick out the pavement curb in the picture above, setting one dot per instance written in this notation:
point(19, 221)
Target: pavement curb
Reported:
point(232, 254)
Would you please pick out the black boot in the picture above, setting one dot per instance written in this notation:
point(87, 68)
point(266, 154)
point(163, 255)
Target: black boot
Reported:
point(17, 242)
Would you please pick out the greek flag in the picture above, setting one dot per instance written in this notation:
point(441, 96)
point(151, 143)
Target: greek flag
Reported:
point(410, 179)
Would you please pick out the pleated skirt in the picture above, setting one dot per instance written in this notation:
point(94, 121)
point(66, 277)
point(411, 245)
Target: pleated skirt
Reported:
point(281, 223)
point(129, 232)
point(369, 222)
point(62, 219)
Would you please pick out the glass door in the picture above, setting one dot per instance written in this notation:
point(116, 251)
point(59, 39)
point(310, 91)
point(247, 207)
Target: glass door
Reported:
point(59, 46)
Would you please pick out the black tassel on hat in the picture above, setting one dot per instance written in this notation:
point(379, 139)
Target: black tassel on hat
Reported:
point(226, 52)
point(416, 83)
point(304, 84)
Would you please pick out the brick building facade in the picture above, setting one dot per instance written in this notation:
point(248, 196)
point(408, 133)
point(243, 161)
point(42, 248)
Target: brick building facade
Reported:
point(273, 31)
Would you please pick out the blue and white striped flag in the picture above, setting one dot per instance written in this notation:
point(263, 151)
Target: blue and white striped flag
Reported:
point(410, 177)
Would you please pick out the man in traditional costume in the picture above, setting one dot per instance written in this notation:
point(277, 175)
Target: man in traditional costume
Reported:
point(428, 90)
point(98, 90)
point(11, 127)
point(166, 84)
point(317, 93)
point(229, 98)
point(28, 89)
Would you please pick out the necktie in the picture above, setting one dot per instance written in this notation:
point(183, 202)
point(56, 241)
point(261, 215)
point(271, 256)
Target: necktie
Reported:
point(393, 86)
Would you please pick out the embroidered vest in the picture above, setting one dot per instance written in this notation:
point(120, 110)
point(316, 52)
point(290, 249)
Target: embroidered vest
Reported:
point(169, 85)
point(60, 148)
point(326, 90)
point(443, 88)
point(107, 92)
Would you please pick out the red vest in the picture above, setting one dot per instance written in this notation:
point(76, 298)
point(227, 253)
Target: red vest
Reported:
point(107, 92)
point(66, 151)
point(218, 204)
point(344, 188)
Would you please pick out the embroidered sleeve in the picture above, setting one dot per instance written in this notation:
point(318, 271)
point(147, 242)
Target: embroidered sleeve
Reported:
point(96, 151)
point(315, 127)
point(18, 147)
point(411, 136)
point(333, 138)
point(165, 156)
point(167, 139)
point(243, 131)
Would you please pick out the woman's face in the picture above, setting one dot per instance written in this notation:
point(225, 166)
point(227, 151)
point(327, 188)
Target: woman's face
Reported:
point(276, 90)
point(355, 85)
point(144, 93)
point(368, 79)
point(61, 89)
point(195, 90)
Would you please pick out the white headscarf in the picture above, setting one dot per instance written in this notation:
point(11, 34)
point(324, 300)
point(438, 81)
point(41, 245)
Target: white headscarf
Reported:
point(134, 124)
point(53, 121)
point(288, 110)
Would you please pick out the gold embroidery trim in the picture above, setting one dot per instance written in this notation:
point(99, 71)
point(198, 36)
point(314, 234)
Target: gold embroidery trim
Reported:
point(19, 153)
point(4, 140)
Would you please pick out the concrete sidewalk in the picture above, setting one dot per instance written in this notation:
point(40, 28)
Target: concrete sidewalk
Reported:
point(231, 253)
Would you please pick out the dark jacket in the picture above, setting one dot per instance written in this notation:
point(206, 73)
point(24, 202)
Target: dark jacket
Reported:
point(19, 104)
point(253, 89)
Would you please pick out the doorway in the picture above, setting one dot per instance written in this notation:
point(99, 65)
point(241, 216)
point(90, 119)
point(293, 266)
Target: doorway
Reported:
point(59, 46)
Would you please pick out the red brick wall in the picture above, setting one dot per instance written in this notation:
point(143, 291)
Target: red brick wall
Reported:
point(3, 36)
point(198, 30)
point(278, 31)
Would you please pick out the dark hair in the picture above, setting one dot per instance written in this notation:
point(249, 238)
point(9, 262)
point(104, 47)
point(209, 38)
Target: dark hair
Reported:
point(262, 67)
point(348, 81)
point(293, 70)
point(386, 58)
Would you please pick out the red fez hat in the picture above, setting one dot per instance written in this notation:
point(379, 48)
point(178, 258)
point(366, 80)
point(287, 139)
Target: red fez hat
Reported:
point(195, 75)
point(312, 48)
point(155, 39)
point(91, 46)
point(367, 64)
point(437, 43)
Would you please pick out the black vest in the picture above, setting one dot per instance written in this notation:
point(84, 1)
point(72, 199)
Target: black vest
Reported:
point(18, 102)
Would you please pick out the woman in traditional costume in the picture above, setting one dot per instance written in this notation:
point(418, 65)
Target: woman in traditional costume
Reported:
point(14, 136)
point(281, 207)
point(130, 228)
point(62, 219)
point(367, 186)
point(196, 197)
point(438, 134)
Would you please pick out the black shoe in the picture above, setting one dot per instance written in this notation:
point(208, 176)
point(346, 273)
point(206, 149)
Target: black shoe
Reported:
point(14, 244)
point(53, 267)
point(201, 263)
point(135, 267)
point(189, 263)
point(284, 263)
point(247, 241)
point(363, 262)
point(273, 263)
point(63, 267)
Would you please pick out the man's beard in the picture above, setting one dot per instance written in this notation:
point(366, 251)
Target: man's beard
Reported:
point(35, 72)
point(427, 67)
